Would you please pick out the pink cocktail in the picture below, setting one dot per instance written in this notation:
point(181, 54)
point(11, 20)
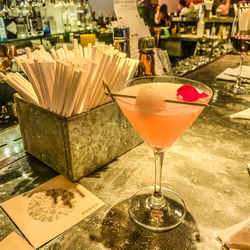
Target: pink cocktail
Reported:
point(159, 116)
point(158, 124)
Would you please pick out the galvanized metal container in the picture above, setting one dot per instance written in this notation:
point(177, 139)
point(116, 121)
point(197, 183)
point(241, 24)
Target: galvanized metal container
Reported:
point(78, 145)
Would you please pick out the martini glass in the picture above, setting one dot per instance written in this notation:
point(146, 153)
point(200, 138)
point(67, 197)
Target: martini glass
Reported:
point(159, 123)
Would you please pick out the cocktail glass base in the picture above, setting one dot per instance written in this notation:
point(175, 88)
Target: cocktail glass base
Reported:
point(169, 216)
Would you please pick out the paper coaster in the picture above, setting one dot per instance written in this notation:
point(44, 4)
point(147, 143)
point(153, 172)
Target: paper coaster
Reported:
point(245, 114)
point(50, 209)
point(15, 242)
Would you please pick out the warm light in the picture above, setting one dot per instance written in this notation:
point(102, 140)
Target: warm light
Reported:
point(7, 152)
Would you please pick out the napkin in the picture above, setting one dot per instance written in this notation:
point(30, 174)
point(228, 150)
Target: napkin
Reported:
point(245, 114)
point(230, 74)
point(15, 242)
point(237, 236)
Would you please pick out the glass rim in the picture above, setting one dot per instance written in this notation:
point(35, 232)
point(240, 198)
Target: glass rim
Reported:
point(162, 77)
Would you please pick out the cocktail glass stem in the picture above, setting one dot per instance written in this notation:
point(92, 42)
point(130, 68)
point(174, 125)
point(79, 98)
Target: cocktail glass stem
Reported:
point(238, 88)
point(238, 81)
point(157, 201)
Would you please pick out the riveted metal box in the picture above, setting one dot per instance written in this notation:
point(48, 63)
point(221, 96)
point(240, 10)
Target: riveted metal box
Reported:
point(78, 145)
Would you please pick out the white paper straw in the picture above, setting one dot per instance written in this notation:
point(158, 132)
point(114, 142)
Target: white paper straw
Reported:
point(34, 83)
point(53, 53)
point(46, 82)
point(66, 51)
point(20, 90)
point(41, 83)
point(80, 51)
point(67, 78)
point(75, 48)
point(84, 91)
point(55, 85)
point(28, 52)
point(73, 89)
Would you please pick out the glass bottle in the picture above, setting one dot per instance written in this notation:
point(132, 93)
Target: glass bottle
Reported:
point(121, 39)
point(10, 22)
point(88, 15)
point(73, 16)
point(44, 17)
point(37, 20)
point(3, 34)
point(146, 65)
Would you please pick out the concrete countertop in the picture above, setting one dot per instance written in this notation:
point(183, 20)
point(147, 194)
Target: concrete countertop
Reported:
point(207, 166)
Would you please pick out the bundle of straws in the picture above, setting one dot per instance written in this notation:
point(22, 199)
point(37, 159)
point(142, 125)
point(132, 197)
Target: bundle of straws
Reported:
point(68, 82)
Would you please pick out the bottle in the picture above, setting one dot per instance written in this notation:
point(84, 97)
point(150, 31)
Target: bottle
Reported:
point(213, 31)
point(201, 24)
point(3, 34)
point(37, 20)
point(200, 27)
point(58, 15)
point(72, 8)
point(10, 23)
point(88, 15)
point(121, 39)
point(80, 16)
point(21, 27)
point(29, 20)
point(45, 21)
point(54, 13)
point(146, 65)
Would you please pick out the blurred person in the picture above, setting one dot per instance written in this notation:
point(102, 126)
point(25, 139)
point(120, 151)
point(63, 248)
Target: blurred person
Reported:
point(161, 16)
point(224, 7)
point(162, 22)
point(183, 8)
point(190, 4)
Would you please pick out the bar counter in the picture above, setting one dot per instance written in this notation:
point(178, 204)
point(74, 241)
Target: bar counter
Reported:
point(207, 166)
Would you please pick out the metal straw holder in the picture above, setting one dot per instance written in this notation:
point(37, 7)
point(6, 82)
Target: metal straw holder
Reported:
point(78, 145)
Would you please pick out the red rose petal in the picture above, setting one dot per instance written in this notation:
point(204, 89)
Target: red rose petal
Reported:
point(203, 95)
point(189, 93)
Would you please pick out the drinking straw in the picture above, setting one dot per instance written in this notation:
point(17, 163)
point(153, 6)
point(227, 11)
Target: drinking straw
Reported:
point(104, 62)
point(75, 48)
point(80, 51)
point(64, 85)
point(89, 50)
point(35, 83)
point(72, 92)
point(57, 84)
point(65, 49)
point(85, 50)
point(20, 90)
point(44, 75)
point(26, 88)
point(83, 98)
point(53, 53)
point(24, 82)
point(70, 81)
point(59, 54)
point(19, 64)
point(28, 52)
point(42, 49)
point(99, 98)
point(93, 53)
point(39, 78)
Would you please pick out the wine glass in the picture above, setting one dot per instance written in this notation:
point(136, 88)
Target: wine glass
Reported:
point(208, 7)
point(240, 39)
point(151, 106)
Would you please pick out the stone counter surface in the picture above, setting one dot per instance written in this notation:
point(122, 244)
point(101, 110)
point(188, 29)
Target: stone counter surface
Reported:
point(207, 166)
